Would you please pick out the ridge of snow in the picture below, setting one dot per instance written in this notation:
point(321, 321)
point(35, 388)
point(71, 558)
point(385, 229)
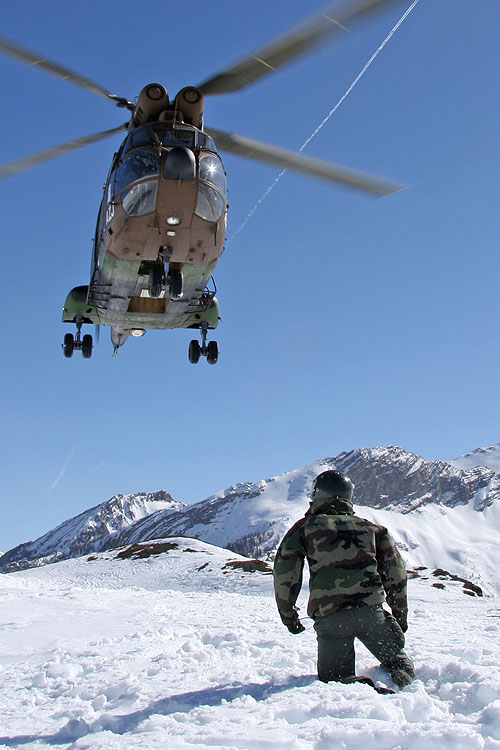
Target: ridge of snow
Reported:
point(488, 457)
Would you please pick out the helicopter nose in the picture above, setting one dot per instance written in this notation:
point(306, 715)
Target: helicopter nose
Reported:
point(179, 164)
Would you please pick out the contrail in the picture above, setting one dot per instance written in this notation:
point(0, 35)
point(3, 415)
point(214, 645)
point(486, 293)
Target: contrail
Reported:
point(325, 120)
point(93, 471)
point(63, 470)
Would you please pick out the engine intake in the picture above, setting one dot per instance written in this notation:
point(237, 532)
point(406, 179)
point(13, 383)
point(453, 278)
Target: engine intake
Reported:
point(152, 100)
point(191, 102)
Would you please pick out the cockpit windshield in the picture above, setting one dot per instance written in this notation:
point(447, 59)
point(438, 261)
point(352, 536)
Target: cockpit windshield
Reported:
point(134, 180)
point(135, 166)
point(168, 135)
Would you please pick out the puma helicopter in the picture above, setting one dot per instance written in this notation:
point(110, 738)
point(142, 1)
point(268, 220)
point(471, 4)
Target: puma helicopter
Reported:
point(162, 221)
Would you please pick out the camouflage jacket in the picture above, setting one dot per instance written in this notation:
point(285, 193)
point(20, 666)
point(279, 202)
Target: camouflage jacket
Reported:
point(352, 562)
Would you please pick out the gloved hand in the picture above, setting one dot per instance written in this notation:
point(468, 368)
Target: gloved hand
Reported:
point(293, 623)
point(402, 619)
point(295, 627)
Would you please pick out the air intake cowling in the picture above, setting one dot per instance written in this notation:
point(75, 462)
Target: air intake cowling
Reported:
point(152, 100)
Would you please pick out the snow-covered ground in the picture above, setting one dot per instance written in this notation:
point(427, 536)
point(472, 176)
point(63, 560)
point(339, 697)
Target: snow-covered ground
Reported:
point(180, 650)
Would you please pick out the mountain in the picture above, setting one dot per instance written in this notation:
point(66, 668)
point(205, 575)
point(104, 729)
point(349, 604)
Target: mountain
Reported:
point(489, 457)
point(88, 531)
point(440, 514)
point(251, 518)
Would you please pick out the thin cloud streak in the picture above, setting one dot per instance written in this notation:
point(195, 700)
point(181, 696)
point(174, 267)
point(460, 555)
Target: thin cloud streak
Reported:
point(94, 470)
point(63, 470)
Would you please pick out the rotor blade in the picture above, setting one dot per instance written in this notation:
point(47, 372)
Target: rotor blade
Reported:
point(283, 50)
point(250, 149)
point(8, 170)
point(33, 59)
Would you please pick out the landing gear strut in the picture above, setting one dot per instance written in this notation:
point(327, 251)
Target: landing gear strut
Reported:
point(83, 344)
point(197, 350)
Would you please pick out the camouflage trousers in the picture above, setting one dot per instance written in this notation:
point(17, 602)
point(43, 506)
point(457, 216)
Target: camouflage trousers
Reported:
point(376, 629)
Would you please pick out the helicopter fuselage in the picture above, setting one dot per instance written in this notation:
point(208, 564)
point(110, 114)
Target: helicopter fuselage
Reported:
point(163, 216)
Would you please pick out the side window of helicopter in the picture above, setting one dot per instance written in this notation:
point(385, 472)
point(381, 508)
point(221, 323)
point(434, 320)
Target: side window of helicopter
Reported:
point(135, 166)
point(206, 142)
point(211, 201)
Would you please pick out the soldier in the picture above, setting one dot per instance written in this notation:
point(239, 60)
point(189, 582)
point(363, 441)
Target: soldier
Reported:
point(354, 567)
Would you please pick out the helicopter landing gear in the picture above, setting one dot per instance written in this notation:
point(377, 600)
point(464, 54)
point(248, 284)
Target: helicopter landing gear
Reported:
point(172, 282)
point(197, 350)
point(173, 277)
point(69, 345)
point(85, 344)
point(155, 283)
point(194, 352)
point(175, 283)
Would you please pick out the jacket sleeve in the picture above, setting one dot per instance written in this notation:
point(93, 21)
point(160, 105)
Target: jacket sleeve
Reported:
point(287, 573)
point(392, 571)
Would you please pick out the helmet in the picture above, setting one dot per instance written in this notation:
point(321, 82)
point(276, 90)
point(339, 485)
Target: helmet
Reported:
point(333, 484)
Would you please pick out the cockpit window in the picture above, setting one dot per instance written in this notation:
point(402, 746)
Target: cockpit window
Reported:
point(212, 171)
point(140, 199)
point(176, 136)
point(135, 166)
point(168, 135)
point(152, 135)
point(206, 142)
point(211, 202)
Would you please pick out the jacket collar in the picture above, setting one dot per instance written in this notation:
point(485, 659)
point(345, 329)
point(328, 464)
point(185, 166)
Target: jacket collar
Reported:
point(332, 506)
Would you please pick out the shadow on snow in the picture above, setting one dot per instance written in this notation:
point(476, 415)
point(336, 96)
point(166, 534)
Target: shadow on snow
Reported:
point(183, 703)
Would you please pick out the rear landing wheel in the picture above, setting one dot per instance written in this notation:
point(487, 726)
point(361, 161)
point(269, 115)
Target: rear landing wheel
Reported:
point(194, 352)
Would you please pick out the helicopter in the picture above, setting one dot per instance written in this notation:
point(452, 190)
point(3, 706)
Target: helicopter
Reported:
point(162, 221)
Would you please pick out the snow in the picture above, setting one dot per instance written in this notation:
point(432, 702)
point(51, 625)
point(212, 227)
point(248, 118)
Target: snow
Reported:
point(489, 457)
point(459, 539)
point(181, 651)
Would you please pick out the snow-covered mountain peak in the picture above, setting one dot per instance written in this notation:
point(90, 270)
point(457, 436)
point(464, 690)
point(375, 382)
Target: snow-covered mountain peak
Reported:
point(488, 457)
point(85, 533)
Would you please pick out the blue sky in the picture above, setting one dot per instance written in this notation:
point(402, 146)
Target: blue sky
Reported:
point(346, 322)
